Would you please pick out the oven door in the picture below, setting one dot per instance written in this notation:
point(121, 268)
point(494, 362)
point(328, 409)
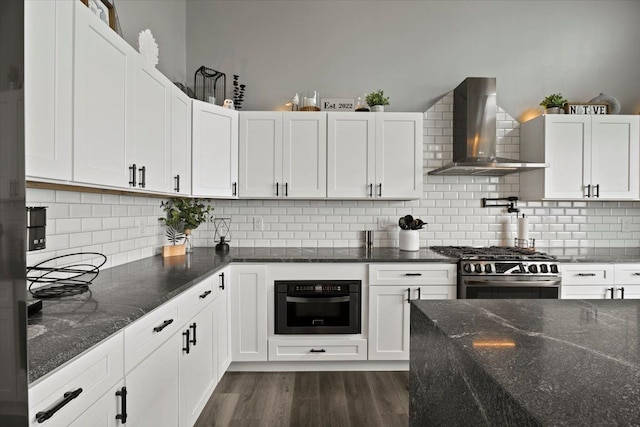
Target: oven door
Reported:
point(317, 312)
point(500, 287)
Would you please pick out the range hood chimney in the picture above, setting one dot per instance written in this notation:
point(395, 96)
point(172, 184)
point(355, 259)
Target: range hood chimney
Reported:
point(474, 133)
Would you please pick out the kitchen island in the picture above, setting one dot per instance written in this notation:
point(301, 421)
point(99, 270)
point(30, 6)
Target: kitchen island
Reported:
point(525, 362)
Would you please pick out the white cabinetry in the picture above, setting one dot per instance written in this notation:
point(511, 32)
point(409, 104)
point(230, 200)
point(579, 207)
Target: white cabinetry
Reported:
point(283, 155)
point(215, 151)
point(105, 412)
point(180, 142)
point(587, 281)
point(248, 311)
point(627, 281)
point(392, 287)
point(374, 155)
point(103, 102)
point(48, 75)
point(590, 157)
point(221, 321)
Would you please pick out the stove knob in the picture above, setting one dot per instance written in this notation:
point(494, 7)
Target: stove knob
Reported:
point(478, 268)
point(544, 268)
point(554, 268)
point(467, 268)
point(488, 269)
point(533, 268)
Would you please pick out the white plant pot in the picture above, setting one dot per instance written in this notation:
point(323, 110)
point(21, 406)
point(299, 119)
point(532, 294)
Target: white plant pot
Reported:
point(378, 109)
point(409, 240)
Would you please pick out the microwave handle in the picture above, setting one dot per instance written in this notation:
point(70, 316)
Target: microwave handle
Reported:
point(313, 300)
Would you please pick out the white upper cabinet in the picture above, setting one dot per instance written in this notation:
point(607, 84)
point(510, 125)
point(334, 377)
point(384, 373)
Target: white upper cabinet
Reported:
point(103, 103)
point(214, 151)
point(283, 155)
point(180, 142)
point(48, 75)
point(374, 155)
point(150, 149)
point(590, 157)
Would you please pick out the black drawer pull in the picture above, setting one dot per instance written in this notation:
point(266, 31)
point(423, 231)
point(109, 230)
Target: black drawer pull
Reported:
point(586, 274)
point(313, 350)
point(177, 187)
point(621, 292)
point(222, 281)
point(413, 274)
point(185, 348)
point(67, 397)
point(122, 393)
point(205, 294)
point(611, 291)
point(193, 333)
point(636, 274)
point(134, 171)
point(370, 190)
point(163, 325)
point(235, 189)
point(143, 176)
point(408, 294)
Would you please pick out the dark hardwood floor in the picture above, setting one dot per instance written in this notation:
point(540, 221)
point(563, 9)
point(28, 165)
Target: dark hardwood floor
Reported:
point(309, 399)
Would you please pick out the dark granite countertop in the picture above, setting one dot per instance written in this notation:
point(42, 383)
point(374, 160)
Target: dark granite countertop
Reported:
point(595, 255)
point(525, 362)
point(68, 326)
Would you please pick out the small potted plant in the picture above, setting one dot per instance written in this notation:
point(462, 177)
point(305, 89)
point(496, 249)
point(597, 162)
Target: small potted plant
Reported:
point(554, 104)
point(377, 101)
point(183, 216)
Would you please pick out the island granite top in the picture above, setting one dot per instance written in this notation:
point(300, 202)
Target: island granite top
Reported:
point(565, 362)
point(68, 326)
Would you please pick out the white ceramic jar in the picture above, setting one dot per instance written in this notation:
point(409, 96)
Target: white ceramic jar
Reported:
point(409, 240)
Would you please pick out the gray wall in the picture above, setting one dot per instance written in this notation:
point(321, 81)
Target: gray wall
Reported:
point(416, 51)
point(167, 21)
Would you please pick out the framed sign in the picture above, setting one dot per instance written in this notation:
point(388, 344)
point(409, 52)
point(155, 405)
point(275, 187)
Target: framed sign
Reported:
point(337, 104)
point(586, 108)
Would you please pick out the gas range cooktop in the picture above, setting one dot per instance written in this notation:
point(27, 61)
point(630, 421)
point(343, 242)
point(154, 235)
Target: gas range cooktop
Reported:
point(495, 253)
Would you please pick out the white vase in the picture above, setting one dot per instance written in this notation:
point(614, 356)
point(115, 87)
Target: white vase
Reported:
point(409, 240)
point(378, 109)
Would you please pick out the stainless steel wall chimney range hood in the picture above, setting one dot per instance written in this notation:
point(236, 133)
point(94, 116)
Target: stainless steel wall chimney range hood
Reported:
point(474, 133)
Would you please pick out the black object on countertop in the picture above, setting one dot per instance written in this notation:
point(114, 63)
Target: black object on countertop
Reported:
point(62, 281)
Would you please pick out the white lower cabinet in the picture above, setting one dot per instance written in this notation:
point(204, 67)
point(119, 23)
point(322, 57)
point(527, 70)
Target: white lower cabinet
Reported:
point(249, 313)
point(317, 349)
point(600, 281)
point(221, 323)
point(106, 412)
point(392, 287)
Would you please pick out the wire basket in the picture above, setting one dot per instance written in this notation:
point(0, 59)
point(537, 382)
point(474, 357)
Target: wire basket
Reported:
point(59, 281)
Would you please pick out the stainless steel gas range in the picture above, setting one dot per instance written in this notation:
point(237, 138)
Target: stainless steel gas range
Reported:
point(504, 272)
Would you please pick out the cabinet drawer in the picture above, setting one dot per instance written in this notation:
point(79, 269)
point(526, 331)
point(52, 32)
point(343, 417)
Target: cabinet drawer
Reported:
point(587, 274)
point(315, 350)
point(146, 334)
point(627, 274)
point(94, 372)
point(412, 274)
point(196, 298)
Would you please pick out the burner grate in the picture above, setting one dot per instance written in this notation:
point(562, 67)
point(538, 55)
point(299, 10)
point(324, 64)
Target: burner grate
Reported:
point(492, 253)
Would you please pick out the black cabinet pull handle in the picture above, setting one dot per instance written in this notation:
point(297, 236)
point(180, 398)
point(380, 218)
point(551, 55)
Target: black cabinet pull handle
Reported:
point(222, 281)
point(286, 189)
point(413, 274)
point(143, 176)
point(177, 188)
point(622, 292)
point(313, 350)
point(163, 325)
point(122, 393)
point(277, 189)
point(589, 190)
point(408, 295)
point(134, 171)
point(235, 189)
point(380, 193)
point(419, 293)
point(636, 274)
point(611, 291)
point(370, 190)
point(193, 330)
point(586, 274)
point(204, 294)
point(66, 398)
point(597, 192)
point(185, 348)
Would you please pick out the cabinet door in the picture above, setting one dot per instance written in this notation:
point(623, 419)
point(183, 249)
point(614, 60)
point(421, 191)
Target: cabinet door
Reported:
point(628, 292)
point(567, 150)
point(103, 412)
point(437, 292)
point(389, 323)
point(197, 367)
point(48, 75)
point(214, 151)
point(398, 155)
point(150, 149)
point(103, 102)
point(153, 387)
point(304, 147)
point(350, 155)
point(180, 142)
point(261, 155)
point(221, 313)
point(615, 154)
point(586, 292)
point(248, 313)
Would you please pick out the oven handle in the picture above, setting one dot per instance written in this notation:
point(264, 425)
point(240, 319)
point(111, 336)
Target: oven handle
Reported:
point(326, 300)
point(543, 283)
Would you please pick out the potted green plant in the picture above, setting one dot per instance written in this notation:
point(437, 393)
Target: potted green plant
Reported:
point(554, 103)
point(183, 216)
point(377, 101)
